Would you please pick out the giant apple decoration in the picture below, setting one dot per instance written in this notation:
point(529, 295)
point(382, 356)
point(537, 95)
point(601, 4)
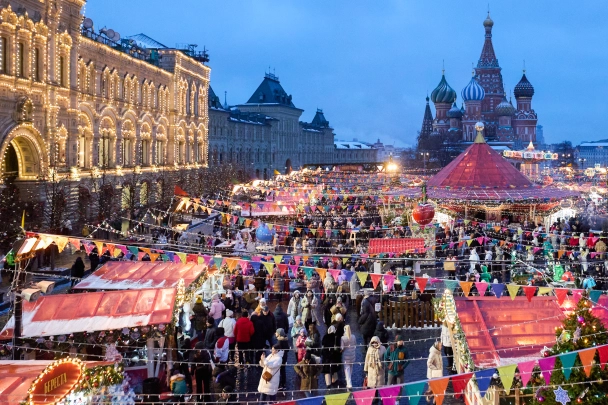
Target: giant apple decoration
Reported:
point(423, 214)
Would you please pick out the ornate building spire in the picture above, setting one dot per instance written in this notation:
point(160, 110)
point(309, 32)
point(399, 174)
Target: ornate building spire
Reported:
point(488, 57)
point(427, 121)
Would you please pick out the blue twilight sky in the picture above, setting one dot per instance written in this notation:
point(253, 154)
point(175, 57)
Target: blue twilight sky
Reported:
point(369, 64)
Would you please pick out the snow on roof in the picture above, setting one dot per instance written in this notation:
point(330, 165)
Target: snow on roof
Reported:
point(594, 144)
point(138, 275)
point(63, 314)
point(351, 145)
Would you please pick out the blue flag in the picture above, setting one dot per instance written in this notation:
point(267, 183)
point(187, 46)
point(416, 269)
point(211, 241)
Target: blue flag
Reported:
point(567, 360)
point(415, 391)
point(484, 378)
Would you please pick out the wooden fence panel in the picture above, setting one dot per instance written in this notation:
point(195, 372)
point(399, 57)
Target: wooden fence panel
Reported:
point(408, 314)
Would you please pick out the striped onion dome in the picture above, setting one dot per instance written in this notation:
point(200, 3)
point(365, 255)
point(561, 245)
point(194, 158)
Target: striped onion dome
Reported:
point(473, 91)
point(505, 108)
point(443, 93)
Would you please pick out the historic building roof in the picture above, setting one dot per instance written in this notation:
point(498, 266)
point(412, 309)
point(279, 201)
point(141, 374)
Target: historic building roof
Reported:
point(473, 91)
point(524, 88)
point(488, 57)
point(505, 108)
point(319, 120)
point(214, 100)
point(270, 91)
point(454, 112)
point(443, 93)
point(480, 166)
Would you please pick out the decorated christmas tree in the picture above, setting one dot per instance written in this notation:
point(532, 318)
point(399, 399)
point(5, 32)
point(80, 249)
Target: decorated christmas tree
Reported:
point(580, 330)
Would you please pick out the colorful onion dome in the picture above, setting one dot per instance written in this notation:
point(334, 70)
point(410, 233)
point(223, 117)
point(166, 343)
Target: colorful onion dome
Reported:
point(443, 93)
point(505, 108)
point(473, 91)
point(524, 88)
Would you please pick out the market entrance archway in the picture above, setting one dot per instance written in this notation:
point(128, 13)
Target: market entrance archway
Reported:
point(23, 155)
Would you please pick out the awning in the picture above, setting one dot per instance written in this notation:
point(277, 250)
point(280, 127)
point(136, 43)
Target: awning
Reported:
point(17, 376)
point(138, 275)
point(64, 314)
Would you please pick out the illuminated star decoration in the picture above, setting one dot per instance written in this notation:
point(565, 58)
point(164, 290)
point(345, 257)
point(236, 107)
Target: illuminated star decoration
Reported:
point(561, 395)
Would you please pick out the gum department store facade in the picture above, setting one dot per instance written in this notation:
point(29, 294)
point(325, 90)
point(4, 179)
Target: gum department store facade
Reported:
point(75, 104)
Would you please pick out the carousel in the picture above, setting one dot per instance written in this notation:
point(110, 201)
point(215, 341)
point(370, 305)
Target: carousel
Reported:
point(530, 160)
point(482, 185)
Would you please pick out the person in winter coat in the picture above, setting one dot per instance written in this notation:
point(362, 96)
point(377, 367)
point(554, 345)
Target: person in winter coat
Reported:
point(227, 396)
point(252, 298)
point(203, 371)
point(434, 364)
point(295, 329)
point(228, 324)
point(216, 309)
point(260, 280)
point(395, 359)
point(309, 371)
point(280, 318)
point(77, 270)
point(271, 367)
point(381, 332)
point(367, 318)
point(309, 305)
point(348, 345)
point(210, 334)
point(94, 259)
point(243, 331)
point(293, 308)
point(446, 343)
point(374, 367)
point(283, 342)
point(222, 347)
point(300, 344)
point(264, 327)
point(178, 385)
point(331, 356)
point(278, 284)
point(328, 304)
point(313, 342)
point(338, 308)
point(200, 316)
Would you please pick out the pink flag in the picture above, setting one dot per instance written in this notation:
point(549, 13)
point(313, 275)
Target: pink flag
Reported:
point(334, 273)
point(546, 367)
point(482, 287)
point(389, 394)
point(389, 280)
point(88, 247)
point(364, 397)
point(576, 295)
point(525, 371)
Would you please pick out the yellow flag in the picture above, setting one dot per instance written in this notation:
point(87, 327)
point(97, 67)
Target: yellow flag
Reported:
point(362, 277)
point(513, 289)
point(276, 172)
point(507, 373)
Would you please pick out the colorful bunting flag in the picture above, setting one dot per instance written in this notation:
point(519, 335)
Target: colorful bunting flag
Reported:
point(403, 280)
point(422, 283)
point(567, 360)
point(337, 399)
point(451, 284)
point(389, 280)
point(459, 383)
point(389, 394)
point(530, 290)
point(482, 287)
point(362, 275)
point(498, 289)
point(561, 294)
point(414, 391)
point(466, 287)
point(438, 386)
point(586, 357)
point(375, 279)
point(507, 373)
point(365, 397)
point(525, 371)
point(546, 367)
point(484, 378)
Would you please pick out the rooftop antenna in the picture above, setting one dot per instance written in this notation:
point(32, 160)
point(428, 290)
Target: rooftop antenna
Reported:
point(524, 66)
point(443, 66)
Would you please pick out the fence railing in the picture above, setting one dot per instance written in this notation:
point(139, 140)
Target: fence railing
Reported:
point(408, 314)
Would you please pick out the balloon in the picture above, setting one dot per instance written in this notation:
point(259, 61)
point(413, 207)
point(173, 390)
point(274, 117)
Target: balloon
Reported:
point(263, 234)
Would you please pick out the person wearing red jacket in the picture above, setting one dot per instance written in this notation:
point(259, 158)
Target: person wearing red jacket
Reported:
point(243, 330)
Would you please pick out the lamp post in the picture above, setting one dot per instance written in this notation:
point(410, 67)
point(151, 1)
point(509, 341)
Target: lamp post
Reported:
point(424, 155)
point(582, 163)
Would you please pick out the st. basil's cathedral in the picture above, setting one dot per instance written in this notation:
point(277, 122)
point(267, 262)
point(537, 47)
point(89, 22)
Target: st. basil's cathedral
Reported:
point(484, 99)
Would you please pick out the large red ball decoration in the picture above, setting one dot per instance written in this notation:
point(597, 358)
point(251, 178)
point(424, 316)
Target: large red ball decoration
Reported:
point(423, 214)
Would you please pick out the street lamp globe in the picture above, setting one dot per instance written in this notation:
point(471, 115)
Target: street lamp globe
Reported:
point(479, 126)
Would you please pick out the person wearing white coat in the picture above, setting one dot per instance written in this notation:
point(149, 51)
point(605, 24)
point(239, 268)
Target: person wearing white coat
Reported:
point(348, 344)
point(374, 367)
point(271, 364)
point(434, 364)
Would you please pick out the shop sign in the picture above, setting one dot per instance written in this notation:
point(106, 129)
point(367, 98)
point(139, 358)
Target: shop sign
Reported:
point(56, 382)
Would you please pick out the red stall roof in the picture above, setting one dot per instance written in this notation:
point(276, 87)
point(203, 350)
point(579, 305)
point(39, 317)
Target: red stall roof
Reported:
point(17, 376)
point(138, 275)
point(501, 331)
point(54, 315)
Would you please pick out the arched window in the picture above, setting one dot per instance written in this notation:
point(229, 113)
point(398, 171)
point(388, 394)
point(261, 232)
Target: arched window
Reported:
point(62, 81)
point(36, 64)
point(3, 52)
point(20, 60)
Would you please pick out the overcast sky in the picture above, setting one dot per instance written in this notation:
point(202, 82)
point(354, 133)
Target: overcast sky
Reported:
point(369, 64)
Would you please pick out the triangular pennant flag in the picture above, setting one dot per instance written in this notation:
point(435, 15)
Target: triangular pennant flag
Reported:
point(576, 295)
point(348, 274)
point(170, 256)
point(132, 249)
point(567, 360)
point(364, 397)
point(497, 289)
point(231, 263)
point(422, 283)
point(75, 243)
point(544, 290)
point(482, 287)
point(450, 284)
point(336, 399)
point(141, 255)
point(403, 280)
point(438, 386)
point(389, 280)
point(154, 256)
point(525, 371)
point(484, 378)
point(507, 373)
point(334, 273)
point(530, 290)
point(282, 269)
point(414, 392)
point(389, 394)
point(375, 279)
point(546, 367)
point(513, 289)
point(278, 259)
point(269, 266)
point(218, 261)
point(594, 295)
point(181, 257)
point(322, 272)
point(466, 287)
point(603, 352)
point(294, 269)
point(362, 275)
point(459, 383)
point(586, 357)
point(308, 272)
